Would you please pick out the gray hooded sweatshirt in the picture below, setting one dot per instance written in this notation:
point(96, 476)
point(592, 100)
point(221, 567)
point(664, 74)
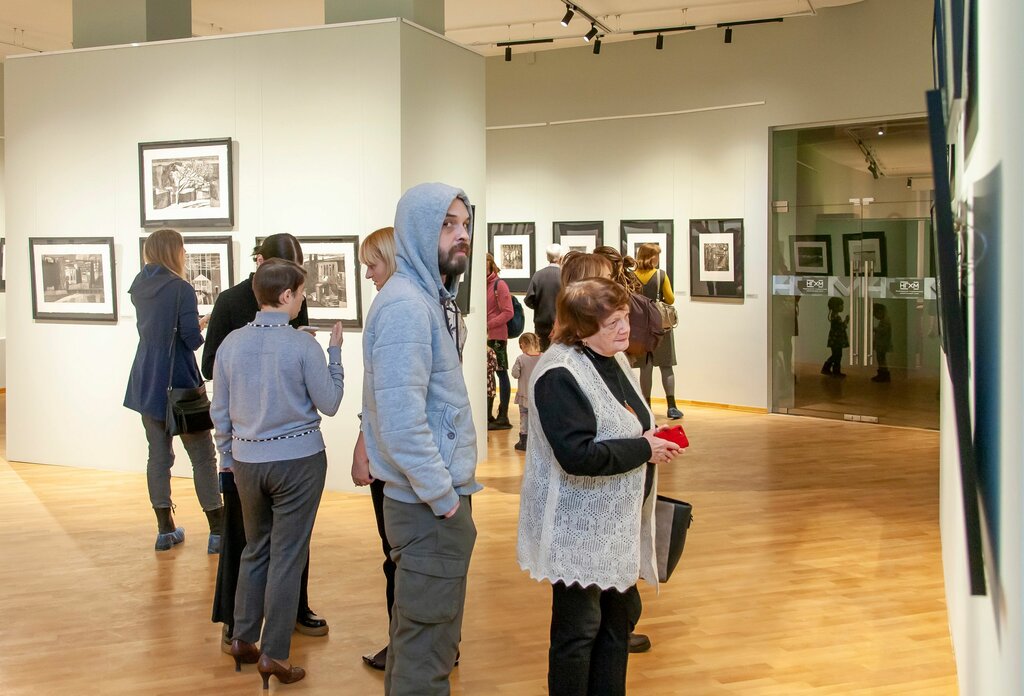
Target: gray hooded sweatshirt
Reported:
point(417, 422)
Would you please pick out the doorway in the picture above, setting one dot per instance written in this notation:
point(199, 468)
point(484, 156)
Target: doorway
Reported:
point(854, 331)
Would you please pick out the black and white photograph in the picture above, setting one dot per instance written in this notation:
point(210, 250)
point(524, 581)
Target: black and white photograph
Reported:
point(332, 280)
point(633, 233)
point(578, 236)
point(73, 279)
point(186, 183)
point(865, 248)
point(464, 297)
point(209, 267)
point(811, 254)
point(512, 245)
point(716, 258)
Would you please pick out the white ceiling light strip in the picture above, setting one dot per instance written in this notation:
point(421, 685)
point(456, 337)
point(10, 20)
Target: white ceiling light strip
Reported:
point(622, 117)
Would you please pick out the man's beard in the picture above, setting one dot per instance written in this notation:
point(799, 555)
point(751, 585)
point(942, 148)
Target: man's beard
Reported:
point(451, 265)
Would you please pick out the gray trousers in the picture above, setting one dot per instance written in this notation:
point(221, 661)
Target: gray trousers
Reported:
point(279, 504)
point(202, 454)
point(430, 592)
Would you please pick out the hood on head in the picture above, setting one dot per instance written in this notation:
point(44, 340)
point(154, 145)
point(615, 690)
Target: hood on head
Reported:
point(151, 280)
point(418, 221)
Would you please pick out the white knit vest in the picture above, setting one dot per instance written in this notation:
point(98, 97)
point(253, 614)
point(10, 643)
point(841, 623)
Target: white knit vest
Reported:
point(590, 530)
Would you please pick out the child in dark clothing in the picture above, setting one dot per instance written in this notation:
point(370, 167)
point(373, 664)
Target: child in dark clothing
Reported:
point(882, 343)
point(837, 338)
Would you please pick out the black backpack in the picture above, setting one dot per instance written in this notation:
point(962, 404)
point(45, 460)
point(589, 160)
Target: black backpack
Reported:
point(518, 321)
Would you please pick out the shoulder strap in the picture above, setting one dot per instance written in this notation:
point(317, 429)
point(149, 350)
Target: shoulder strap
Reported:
point(174, 339)
point(661, 280)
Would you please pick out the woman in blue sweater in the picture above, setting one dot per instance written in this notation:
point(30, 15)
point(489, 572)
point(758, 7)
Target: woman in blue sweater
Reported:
point(271, 382)
point(167, 311)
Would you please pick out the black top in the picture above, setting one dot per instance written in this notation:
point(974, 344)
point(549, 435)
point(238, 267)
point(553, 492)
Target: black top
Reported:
point(570, 425)
point(542, 293)
point(234, 308)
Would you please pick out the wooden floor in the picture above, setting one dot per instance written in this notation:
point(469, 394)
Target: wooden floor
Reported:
point(809, 570)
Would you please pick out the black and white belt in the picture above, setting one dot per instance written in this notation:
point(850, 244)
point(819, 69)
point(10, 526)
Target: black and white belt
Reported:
point(279, 437)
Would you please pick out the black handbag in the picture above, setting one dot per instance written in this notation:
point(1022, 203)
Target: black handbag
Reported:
point(671, 521)
point(188, 408)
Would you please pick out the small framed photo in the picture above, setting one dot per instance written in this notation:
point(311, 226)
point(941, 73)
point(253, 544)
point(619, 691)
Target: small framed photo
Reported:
point(332, 281)
point(512, 244)
point(186, 183)
point(633, 233)
point(209, 267)
point(811, 254)
point(464, 297)
point(716, 258)
point(73, 279)
point(578, 236)
point(865, 247)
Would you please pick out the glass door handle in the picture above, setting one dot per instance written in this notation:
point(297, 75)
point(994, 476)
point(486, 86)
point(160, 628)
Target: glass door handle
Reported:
point(869, 324)
point(852, 316)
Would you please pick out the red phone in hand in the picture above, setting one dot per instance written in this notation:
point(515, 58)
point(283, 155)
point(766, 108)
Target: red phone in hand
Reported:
point(674, 434)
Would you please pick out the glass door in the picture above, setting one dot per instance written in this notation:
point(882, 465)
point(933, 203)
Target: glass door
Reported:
point(854, 330)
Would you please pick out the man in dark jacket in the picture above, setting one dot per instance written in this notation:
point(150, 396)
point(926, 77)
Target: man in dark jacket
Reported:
point(542, 294)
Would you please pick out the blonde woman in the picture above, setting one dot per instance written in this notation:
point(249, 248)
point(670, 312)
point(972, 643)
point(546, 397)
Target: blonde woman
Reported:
point(656, 285)
point(165, 304)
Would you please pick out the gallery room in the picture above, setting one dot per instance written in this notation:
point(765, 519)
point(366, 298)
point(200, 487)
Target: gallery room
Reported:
point(820, 194)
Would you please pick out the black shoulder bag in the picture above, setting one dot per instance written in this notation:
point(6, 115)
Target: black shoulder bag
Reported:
point(188, 408)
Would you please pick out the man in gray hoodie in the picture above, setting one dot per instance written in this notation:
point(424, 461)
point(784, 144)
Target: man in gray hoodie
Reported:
point(420, 437)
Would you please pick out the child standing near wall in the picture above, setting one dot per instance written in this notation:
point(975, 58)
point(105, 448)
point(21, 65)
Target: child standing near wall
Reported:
point(522, 370)
point(882, 343)
point(837, 338)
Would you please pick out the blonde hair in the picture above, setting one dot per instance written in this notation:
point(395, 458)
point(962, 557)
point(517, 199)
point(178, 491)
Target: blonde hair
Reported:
point(577, 265)
point(164, 248)
point(379, 247)
point(529, 342)
point(646, 256)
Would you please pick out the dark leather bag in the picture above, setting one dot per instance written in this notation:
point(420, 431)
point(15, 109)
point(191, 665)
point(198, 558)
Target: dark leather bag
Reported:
point(188, 408)
point(671, 521)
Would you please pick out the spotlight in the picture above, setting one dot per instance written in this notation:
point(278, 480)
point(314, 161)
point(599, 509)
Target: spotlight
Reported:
point(881, 130)
point(728, 34)
point(597, 47)
point(660, 42)
point(508, 53)
point(910, 182)
point(590, 34)
point(569, 13)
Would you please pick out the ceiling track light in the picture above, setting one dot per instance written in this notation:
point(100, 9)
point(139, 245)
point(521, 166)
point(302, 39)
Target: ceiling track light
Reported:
point(569, 14)
point(881, 130)
point(590, 34)
point(728, 35)
point(597, 47)
point(508, 53)
point(659, 43)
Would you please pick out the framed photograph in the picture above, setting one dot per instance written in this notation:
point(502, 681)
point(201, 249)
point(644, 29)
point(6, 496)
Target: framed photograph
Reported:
point(186, 183)
point(209, 267)
point(811, 254)
point(716, 258)
point(3, 264)
point(865, 246)
point(512, 244)
point(73, 279)
point(578, 236)
point(633, 233)
point(464, 298)
point(332, 281)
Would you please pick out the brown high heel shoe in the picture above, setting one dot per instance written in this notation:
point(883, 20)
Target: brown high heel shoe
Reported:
point(244, 652)
point(268, 667)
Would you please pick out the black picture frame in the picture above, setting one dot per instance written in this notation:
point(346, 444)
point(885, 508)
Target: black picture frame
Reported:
point(325, 291)
point(872, 243)
point(633, 233)
point(203, 271)
point(811, 254)
point(187, 183)
point(83, 267)
point(513, 245)
point(464, 297)
point(716, 258)
point(3, 264)
point(569, 234)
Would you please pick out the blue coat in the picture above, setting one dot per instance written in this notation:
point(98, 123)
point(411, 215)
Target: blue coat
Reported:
point(155, 293)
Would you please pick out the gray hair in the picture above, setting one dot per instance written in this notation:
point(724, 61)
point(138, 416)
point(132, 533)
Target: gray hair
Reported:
point(554, 252)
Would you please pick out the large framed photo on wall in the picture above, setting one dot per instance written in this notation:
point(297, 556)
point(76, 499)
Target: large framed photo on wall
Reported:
point(209, 267)
point(716, 258)
point(633, 233)
point(512, 244)
point(578, 236)
point(866, 247)
point(73, 279)
point(186, 183)
point(332, 281)
point(811, 254)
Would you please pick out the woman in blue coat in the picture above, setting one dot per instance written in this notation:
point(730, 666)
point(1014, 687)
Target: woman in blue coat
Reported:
point(163, 301)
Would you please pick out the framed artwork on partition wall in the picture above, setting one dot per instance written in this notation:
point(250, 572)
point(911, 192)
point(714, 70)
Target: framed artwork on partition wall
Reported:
point(811, 254)
point(209, 267)
point(865, 247)
point(73, 279)
point(3, 264)
point(633, 233)
point(578, 236)
point(464, 297)
point(332, 281)
point(716, 258)
point(186, 183)
point(512, 244)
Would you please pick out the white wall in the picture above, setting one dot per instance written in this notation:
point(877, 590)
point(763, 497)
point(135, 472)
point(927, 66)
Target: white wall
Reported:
point(866, 60)
point(3, 205)
point(987, 630)
point(316, 119)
